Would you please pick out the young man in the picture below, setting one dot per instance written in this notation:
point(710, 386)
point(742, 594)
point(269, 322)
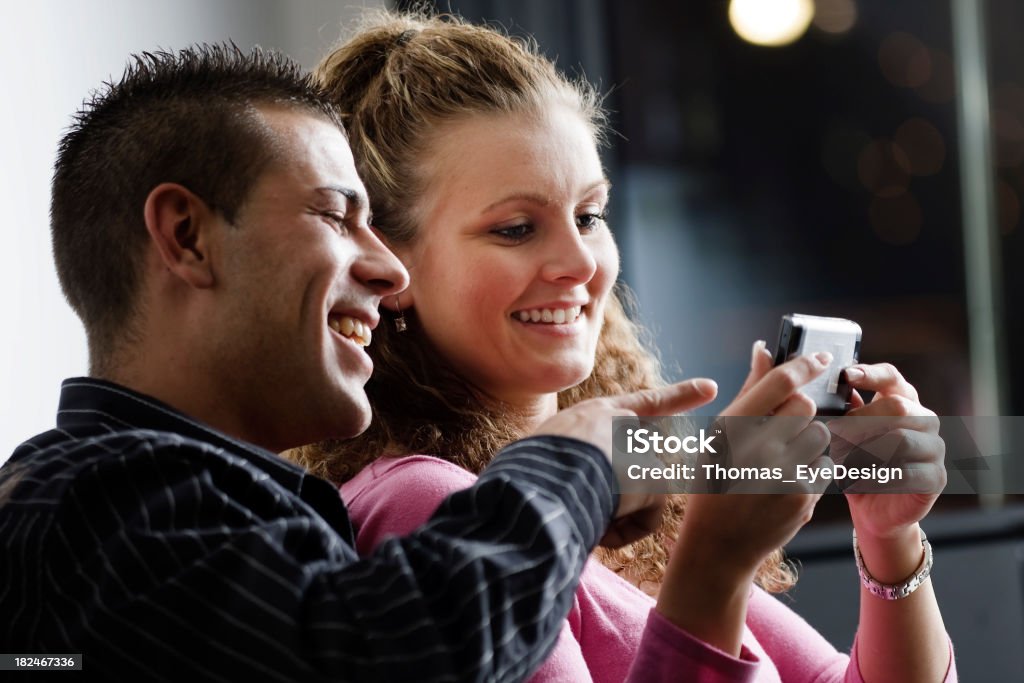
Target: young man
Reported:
point(211, 232)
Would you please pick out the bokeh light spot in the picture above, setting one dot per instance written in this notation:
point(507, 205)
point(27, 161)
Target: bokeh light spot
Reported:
point(923, 144)
point(905, 61)
point(896, 220)
point(884, 169)
point(771, 23)
point(941, 84)
point(835, 16)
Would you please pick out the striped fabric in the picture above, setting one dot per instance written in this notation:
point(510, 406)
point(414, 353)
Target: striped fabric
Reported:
point(161, 549)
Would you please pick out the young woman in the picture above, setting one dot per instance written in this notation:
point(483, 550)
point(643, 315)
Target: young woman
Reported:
point(481, 162)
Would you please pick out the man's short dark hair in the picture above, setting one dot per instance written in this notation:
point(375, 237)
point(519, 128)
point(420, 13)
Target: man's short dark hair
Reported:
point(187, 117)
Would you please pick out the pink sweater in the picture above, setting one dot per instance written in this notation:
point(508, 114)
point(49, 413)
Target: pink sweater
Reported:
point(612, 632)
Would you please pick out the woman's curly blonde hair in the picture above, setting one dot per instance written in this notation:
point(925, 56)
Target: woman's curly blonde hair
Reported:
point(397, 81)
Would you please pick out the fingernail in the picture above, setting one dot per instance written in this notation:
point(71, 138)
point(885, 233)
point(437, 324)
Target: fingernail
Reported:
point(759, 347)
point(705, 387)
point(823, 357)
point(854, 374)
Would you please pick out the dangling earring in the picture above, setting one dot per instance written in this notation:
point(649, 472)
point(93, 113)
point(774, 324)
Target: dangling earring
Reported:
point(400, 323)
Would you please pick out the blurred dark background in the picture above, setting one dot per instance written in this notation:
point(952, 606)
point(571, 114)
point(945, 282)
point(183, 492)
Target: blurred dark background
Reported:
point(836, 175)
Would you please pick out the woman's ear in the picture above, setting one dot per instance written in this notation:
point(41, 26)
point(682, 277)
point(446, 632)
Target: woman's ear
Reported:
point(181, 226)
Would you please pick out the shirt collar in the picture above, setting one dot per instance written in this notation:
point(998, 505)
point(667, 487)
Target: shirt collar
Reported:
point(86, 400)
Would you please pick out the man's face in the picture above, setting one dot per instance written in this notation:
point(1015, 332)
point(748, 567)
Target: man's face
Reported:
point(301, 276)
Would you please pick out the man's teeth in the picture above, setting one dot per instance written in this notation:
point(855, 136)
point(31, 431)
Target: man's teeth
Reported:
point(354, 329)
point(558, 316)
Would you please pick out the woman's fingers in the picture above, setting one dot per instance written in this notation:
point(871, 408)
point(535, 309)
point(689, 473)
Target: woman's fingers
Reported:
point(797, 405)
point(882, 378)
point(856, 400)
point(760, 364)
point(810, 442)
point(883, 415)
point(779, 384)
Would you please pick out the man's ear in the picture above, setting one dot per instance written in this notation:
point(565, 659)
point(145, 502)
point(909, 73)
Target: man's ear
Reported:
point(180, 225)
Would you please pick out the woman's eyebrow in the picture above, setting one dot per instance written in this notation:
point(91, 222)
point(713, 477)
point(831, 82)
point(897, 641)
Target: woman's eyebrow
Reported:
point(539, 199)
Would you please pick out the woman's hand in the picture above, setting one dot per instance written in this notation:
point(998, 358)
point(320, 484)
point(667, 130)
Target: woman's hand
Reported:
point(898, 431)
point(897, 640)
point(725, 537)
point(738, 531)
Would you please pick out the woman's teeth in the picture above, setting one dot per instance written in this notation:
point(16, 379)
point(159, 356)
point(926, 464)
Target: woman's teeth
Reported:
point(556, 316)
point(354, 329)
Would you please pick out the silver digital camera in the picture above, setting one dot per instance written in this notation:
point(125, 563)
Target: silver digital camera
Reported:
point(802, 334)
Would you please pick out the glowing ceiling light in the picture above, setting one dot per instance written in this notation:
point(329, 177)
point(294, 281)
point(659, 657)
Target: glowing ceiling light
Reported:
point(835, 16)
point(770, 22)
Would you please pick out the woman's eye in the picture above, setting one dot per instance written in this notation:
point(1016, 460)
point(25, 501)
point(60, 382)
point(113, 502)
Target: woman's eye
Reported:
point(514, 233)
point(589, 221)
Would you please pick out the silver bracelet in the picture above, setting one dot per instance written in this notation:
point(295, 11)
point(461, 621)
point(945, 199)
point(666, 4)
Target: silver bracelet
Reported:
point(900, 590)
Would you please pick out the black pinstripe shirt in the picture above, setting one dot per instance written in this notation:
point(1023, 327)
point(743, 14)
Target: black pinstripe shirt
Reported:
point(162, 549)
